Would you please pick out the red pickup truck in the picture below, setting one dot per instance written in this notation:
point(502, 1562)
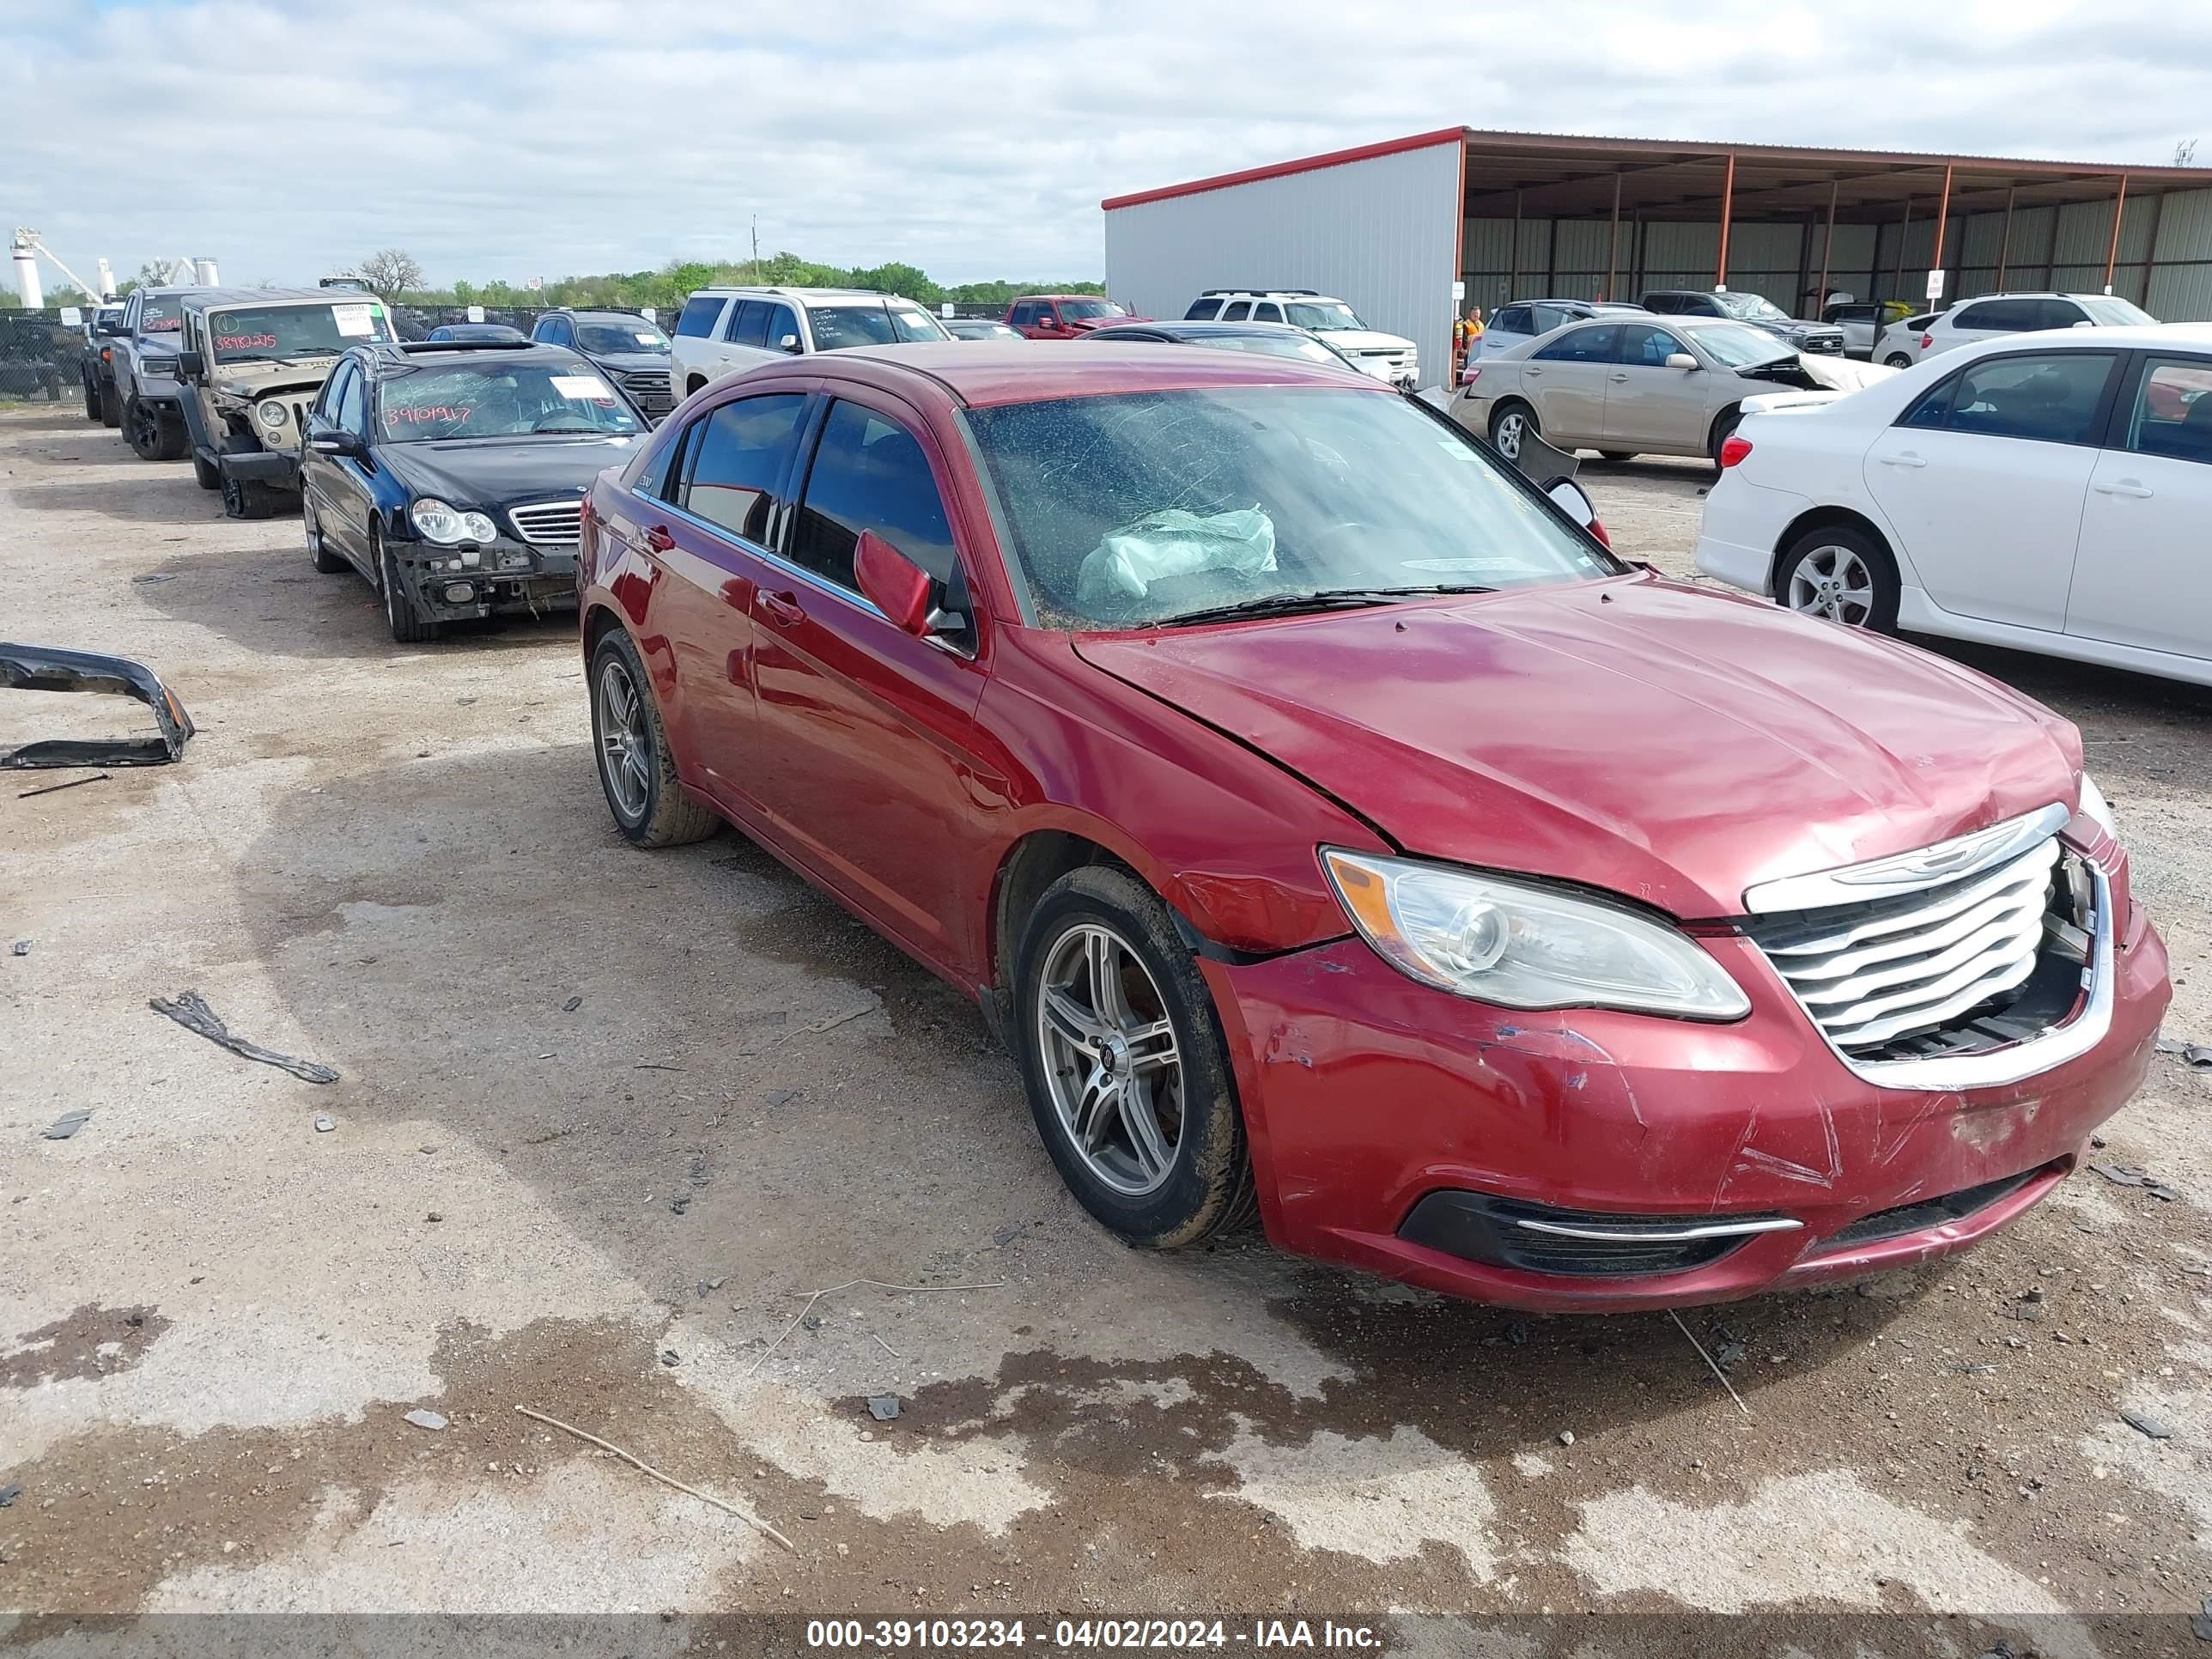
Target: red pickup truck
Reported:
point(1063, 316)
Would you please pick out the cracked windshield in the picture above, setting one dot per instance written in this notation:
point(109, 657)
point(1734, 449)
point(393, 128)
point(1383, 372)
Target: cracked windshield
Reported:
point(276, 332)
point(1181, 506)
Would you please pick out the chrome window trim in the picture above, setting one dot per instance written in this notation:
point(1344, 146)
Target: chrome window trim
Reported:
point(1658, 1234)
point(1909, 872)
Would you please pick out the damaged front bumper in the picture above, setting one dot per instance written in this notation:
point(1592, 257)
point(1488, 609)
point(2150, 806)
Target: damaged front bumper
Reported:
point(1597, 1162)
point(38, 668)
point(497, 578)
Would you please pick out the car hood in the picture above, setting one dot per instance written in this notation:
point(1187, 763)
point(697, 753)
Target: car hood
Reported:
point(494, 471)
point(1674, 746)
point(1364, 339)
point(265, 380)
point(630, 362)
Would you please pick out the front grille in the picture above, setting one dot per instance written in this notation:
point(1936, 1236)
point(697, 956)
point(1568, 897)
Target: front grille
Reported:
point(1539, 1238)
point(548, 524)
point(1942, 968)
point(1928, 1212)
point(649, 389)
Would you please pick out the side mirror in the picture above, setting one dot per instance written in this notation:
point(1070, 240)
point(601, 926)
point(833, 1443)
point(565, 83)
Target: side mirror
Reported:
point(789, 342)
point(335, 442)
point(1048, 321)
point(1682, 360)
point(1571, 499)
point(111, 326)
point(893, 583)
point(191, 365)
point(2081, 322)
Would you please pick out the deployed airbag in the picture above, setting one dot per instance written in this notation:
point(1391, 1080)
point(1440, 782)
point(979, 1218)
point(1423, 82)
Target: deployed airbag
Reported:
point(1175, 543)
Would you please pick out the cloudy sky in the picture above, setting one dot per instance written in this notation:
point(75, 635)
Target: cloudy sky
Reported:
point(512, 138)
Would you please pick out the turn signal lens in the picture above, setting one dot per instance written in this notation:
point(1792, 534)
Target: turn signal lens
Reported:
point(1734, 449)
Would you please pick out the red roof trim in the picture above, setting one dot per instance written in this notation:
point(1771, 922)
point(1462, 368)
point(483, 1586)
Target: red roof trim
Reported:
point(1336, 158)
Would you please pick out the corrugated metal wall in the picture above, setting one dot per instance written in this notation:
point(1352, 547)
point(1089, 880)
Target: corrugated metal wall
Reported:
point(1379, 234)
point(2060, 248)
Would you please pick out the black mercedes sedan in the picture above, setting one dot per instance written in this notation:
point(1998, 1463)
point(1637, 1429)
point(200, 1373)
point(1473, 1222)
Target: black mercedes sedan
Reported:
point(452, 474)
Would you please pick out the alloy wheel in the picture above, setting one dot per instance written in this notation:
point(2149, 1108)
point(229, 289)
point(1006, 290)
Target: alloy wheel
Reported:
point(1111, 1062)
point(625, 743)
point(1507, 438)
point(1834, 582)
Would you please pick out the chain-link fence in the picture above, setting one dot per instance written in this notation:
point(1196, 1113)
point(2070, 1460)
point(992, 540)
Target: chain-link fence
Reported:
point(41, 357)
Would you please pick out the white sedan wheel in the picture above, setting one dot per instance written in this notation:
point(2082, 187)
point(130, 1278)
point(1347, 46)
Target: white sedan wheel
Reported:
point(1834, 582)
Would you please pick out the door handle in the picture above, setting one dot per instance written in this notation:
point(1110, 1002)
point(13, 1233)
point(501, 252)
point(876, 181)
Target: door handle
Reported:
point(2127, 487)
point(1619, 380)
point(783, 608)
point(1532, 373)
point(1908, 458)
point(658, 538)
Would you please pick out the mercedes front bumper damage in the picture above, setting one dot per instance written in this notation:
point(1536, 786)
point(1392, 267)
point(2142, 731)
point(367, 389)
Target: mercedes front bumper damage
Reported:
point(39, 668)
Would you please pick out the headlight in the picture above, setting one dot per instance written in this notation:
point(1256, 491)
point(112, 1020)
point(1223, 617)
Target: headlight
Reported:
point(271, 412)
point(448, 525)
point(1526, 946)
point(2092, 806)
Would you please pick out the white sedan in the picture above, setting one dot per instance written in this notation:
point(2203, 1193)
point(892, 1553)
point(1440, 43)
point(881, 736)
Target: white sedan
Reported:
point(2048, 492)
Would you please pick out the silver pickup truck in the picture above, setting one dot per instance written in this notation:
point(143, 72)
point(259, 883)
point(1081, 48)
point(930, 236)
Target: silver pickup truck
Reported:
point(142, 357)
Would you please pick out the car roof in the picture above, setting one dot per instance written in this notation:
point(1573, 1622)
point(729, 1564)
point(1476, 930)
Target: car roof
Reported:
point(211, 297)
point(987, 373)
point(397, 352)
point(2152, 336)
point(597, 311)
point(1195, 326)
point(804, 296)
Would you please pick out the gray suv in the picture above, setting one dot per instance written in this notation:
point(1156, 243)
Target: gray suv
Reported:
point(623, 346)
point(143, 359)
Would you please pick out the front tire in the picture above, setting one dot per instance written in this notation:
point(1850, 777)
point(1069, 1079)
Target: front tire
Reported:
point(1509, 422)
point(1842, 574)
point(153, 436)
point(408, 626)
point(637, 768)
point(319, 550)
point(245, 498)
point(205, 473)
point(1124, 1066)
point(91, 399)
point(111, 404)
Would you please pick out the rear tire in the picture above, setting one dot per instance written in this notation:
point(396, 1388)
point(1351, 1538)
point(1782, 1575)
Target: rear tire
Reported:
point(637, 768)
point(1113, 1017)
point(1842, 573)
point(408, 626)
point(1507, 422)
point(1897, 360)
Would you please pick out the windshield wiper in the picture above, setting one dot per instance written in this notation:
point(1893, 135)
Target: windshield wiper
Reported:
point(1291, 605)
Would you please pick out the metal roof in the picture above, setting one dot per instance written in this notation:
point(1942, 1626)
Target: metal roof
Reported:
point(1567, 176)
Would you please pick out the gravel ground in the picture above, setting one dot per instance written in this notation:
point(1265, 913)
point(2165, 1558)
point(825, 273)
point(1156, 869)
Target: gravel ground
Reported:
point(395, 861)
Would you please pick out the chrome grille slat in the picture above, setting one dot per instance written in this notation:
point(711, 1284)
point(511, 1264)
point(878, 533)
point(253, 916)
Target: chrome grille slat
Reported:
point(1922, 908)
point(1820, 977)
point(1894, 967)
point(548, 524)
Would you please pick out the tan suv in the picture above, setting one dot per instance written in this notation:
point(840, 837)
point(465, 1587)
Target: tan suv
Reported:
point(251, 362)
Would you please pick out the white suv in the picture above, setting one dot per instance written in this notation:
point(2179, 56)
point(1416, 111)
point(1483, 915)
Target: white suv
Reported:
point(724, 330)
point(1996, 314)
point(1385, 357)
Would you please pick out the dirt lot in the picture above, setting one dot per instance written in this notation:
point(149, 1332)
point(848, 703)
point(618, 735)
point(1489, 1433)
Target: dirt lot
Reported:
point(605, 1118)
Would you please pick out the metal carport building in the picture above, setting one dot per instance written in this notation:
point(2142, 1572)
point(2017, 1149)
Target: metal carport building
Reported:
point(1391, 227)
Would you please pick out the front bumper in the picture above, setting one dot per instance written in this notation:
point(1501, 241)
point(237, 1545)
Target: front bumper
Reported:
point(509, 578)
point(1366, 1093)
point(272, 467)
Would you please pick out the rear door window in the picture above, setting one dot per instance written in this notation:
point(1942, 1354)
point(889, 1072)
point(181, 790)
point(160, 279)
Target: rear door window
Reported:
point(1594, 345)
point(1202, 310)
point(1513, 320)
point(2050, 398)
point(1237, 311)
point(2172, 414)
point(870, 473)
point(737, 458)
point(1997, 316)
point(701, 312)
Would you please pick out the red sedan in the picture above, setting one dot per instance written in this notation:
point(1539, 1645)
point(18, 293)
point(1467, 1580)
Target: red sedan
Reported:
point(1333, 829)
